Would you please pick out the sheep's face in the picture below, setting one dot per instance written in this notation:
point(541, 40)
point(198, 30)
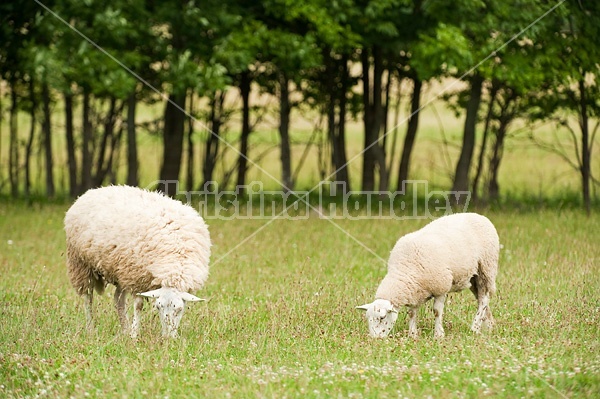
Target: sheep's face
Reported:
point(381, 316)
point(170, 304)
point(170, 309)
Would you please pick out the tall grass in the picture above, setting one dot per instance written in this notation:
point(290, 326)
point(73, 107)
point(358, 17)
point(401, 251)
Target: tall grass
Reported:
point(280, 320)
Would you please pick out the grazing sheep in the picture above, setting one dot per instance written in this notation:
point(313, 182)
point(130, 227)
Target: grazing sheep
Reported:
point(142, 242)
point(449, 254)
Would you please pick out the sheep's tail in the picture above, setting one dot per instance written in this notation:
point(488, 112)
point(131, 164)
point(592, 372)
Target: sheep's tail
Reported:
point(486, 278)
point(488, 269)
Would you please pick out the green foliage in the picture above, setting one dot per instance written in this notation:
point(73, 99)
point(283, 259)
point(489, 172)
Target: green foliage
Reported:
point(207, 46)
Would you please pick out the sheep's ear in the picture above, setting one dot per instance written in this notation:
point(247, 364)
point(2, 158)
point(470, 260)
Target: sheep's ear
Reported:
point(190, 298)
point(393, 310)
point(152, 294)
point(363, 307)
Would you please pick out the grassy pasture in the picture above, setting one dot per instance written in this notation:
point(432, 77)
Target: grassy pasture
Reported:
point(281, 320)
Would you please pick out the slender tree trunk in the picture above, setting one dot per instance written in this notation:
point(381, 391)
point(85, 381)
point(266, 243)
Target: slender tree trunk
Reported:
point(13, 151)
point(132, 150)
point(47, 131)
point(384, 178)
point(330, 109)
point(585, 151)
point(342, 168)
point(461, 176)
point(411, 132)
point(284, 133)
point(245, 84)
point(1, 135)
point(115, 143)
point(86, 158)
point(486, 129)
point(29, 145)
point(70, 142)
point(190, 145)
point(107, 137)
point(395, 123)
point(379, 116)
point(496, 158)
point(368, 169)
point(172, 143)
point(373, 121)
point(336, 82)
point(212, 141)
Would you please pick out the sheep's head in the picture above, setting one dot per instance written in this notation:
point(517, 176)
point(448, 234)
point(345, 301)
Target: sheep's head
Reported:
point(381, 315)
point(170, 304)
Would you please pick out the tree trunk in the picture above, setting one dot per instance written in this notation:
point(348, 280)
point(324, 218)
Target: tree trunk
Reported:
point(29, 145)
point(13, 150)
point(585, 150)
point(172, 143)
point(70, 142)
point(115, 141)
point(368, 169)
point(86, 158)
point(107, 136)
point(47, 131)
point(284, 133)
point(342, 168)
point(212, 142)
point(132, 150)
point(190, 145)
point(497, 152)
point(374, 115)
point(461, 176)
point(330, 107)
point(336, 87)
point(411, 132)
point(1, 135)
point(486, 129)
point(245, 83)
point(380, 116)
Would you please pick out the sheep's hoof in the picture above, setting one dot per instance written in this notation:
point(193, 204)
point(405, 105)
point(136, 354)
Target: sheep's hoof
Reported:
point(488, 324)
point(439, 335)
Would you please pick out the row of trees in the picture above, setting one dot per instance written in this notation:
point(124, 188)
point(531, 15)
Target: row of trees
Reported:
point(539, 62)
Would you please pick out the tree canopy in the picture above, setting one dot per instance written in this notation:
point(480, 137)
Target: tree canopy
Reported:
point(95, 60)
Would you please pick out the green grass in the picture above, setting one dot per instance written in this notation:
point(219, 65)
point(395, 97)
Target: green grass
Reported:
point(281, 320)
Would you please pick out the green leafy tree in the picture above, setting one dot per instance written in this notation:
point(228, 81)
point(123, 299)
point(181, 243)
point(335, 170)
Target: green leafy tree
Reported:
point(289, 51)
point(568, 58)
point(467, 35)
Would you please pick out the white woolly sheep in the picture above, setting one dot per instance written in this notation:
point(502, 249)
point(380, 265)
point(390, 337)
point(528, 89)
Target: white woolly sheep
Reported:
point(448, 255)
point(143, 243)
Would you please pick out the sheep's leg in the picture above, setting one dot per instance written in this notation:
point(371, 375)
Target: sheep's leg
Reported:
point(438, 311)
point(89, 300)
point(482, 311)
point(138, 304)
point(412, 322)
point(488, 322)
point(120, 301)
point(473, 287)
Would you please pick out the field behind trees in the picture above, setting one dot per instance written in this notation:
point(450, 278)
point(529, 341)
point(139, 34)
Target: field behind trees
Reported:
point(530, 172)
